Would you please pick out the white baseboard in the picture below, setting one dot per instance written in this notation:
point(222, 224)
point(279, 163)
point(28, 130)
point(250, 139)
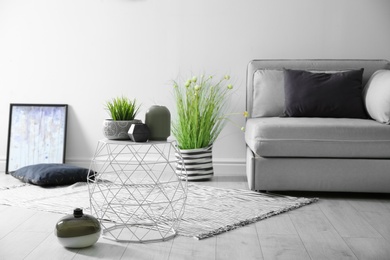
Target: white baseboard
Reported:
point(2, 165)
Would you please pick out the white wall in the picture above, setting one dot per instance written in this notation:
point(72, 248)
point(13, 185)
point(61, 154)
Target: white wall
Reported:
point(84, 52)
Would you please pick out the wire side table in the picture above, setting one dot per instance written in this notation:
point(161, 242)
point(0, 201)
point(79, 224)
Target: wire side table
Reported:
point(135, 190)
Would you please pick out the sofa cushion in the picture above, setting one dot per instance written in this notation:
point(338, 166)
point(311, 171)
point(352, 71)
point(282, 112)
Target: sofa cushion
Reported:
point(268, 93)
point(338, 95)
point(318, 137)
point(377, 96)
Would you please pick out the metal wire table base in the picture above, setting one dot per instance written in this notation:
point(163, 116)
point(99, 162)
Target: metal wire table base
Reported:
point(135, 190)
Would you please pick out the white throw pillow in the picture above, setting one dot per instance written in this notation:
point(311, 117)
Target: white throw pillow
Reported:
point(268, 93)
point(377, 96)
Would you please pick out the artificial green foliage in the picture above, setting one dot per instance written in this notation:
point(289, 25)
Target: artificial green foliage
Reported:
point(122, 108)
point(201, 105)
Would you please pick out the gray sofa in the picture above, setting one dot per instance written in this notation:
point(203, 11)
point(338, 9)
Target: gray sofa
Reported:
point(312, 153)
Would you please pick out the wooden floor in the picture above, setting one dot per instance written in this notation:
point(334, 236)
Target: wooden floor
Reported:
point(339, 226)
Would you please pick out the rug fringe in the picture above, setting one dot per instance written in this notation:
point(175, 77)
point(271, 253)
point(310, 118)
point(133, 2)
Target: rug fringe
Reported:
point(255, 219)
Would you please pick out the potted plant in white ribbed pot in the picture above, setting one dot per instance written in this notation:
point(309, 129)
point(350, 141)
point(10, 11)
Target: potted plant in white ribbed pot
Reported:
point(123, 112)
point(201, 108)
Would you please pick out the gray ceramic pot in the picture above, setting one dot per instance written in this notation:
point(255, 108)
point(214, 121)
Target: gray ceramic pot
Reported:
point(118, 130)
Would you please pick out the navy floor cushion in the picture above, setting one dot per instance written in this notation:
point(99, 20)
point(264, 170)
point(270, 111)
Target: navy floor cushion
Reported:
point(51, 174)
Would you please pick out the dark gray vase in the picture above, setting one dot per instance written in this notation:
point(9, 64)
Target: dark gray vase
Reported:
point(118, 130)
point(158, 119)
point(139, 133)
point(78, 230)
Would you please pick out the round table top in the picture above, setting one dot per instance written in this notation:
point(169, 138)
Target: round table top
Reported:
point(129, 142)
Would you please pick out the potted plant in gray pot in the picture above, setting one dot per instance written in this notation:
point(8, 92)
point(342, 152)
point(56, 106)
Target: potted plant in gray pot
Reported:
point(123, 112)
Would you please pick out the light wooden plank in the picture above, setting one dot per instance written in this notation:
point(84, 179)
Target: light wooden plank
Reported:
point(283, 246)
point(380, 221)
point(150, 251)
point(19, 244)
point(370, 203)
point(40, 222)
point(278, 225)
point(279, 239)
point(319, 237)
point(51, 248)
point(11, 218)
point(370, 248)
point(103, 249)
point(346, 219)
point(184, 248)
point(241, 243)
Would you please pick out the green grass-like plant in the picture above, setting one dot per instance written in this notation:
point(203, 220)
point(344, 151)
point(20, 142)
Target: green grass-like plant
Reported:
point(200, 108)
point(122, 108)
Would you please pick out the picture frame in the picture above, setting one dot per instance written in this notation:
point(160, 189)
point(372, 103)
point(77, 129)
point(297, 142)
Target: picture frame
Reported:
point(36, 134)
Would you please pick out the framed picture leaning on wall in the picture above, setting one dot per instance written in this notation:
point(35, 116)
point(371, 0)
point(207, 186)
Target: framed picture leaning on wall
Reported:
point(36, 134)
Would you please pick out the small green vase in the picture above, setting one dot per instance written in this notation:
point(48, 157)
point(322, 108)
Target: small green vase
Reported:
point(158, 120)
point(78, 230)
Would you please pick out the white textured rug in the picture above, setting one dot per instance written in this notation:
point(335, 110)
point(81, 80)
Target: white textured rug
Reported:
point(209, 211)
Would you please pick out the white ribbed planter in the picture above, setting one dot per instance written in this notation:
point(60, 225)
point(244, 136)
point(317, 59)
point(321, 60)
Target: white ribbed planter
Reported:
point(197, 163)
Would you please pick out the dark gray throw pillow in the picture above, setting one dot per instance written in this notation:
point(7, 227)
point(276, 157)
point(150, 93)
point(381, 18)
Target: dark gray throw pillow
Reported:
point(51, 174)
point(312, 94)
